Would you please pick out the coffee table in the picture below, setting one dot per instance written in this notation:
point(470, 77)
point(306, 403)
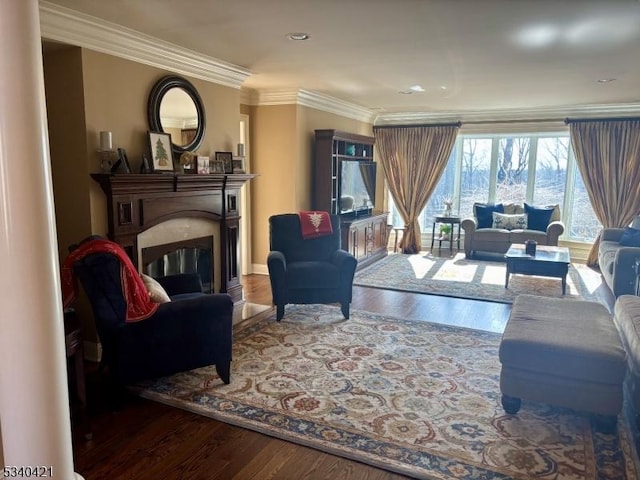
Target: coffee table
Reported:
point(547, 262)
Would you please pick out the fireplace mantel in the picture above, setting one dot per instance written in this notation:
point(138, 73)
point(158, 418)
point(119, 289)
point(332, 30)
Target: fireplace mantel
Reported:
point(136, 202)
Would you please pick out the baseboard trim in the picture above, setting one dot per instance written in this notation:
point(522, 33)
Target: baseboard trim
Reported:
point(259, 269)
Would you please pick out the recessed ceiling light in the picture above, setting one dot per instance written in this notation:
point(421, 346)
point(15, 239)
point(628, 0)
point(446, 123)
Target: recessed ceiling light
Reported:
point(443, 87)
point(606, 80)
point(298, 36)
point(406, 92)
point(416, 88)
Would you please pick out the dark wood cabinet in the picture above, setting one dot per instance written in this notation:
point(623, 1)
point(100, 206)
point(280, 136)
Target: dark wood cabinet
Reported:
point(364, 232)
point(366, 238)
point(332, 147)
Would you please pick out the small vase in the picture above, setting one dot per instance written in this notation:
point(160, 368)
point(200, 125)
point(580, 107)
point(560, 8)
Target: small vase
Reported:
point(447, 211)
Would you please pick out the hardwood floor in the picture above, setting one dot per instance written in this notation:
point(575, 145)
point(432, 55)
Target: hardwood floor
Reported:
point(147, 440)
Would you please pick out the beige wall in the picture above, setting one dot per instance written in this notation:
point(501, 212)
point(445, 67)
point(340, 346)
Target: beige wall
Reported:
point(87, 92)
point(273, 159)
point(282, 139)
point(69, 168)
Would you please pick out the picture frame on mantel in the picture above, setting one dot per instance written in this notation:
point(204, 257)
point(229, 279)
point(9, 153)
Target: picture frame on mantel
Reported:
point(161, 152)
point(238, 164)
point(217, 167)
point(227, 160)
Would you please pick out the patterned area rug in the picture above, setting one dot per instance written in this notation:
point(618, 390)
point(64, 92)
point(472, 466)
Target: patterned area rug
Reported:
point(416, 398)
point(475, 279)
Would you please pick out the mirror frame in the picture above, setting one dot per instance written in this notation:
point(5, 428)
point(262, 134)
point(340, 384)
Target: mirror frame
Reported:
point(158, 92)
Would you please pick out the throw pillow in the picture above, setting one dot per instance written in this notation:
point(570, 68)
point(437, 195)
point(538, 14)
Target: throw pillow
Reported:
point(538, 218)
point(630, 237)
point(156, 292)
point(636, 223)
point(484, 213)
point(510, 222)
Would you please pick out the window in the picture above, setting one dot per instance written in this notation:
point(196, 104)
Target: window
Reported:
point(537, 168)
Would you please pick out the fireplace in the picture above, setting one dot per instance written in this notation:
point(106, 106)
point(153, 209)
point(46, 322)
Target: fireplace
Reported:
point(182, 245)
point(179, 224)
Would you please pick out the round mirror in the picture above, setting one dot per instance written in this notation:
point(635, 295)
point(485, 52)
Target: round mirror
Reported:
point(175, 107)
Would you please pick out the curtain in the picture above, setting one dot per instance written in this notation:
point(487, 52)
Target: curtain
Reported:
point(413, 160)
point(608, 156)
point(188, 134)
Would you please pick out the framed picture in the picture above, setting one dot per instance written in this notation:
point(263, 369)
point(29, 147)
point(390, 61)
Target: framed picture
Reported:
point(217, 167)
point(203, 165)
point(160, 149)
point(122, 165)
point(227, 160)
point(238, 164)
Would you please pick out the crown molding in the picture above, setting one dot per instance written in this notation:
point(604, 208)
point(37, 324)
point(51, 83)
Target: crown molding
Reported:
point(543, 114)
point(274, 97)
point(246, 96)
point(310, 99)
point(335, 105)
point(75, 28)
point(69, 26)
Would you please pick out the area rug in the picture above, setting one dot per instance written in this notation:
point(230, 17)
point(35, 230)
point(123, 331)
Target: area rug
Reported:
point(416, 398)
point(474, 279)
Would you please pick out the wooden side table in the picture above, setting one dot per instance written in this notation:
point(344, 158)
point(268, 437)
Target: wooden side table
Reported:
point(397, 231)
point(75, 351)
point(450, 221)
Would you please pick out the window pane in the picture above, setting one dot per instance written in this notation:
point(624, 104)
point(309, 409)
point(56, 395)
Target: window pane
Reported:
point(513, 165)
point(475, 174)
point(551, 171)
point(584, 224)
point(444, 190)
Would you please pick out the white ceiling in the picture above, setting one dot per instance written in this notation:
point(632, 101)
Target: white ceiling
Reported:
point(468, 55)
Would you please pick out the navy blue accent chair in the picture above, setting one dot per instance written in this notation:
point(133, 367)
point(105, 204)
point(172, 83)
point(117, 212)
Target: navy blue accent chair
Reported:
point(308, 271)
point(193, 330)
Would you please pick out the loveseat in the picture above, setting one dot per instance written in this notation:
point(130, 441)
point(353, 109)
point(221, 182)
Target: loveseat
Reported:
point(494, 227)
point(617, 256)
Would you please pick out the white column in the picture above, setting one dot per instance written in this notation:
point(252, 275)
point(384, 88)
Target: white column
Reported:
point(34, 404)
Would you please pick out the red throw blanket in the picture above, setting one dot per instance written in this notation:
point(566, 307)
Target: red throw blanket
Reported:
point(139, 304)
point(315, 224)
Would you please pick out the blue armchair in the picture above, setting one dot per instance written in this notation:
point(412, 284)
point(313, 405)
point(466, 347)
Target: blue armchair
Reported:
point(191, 331)
point(308, 271)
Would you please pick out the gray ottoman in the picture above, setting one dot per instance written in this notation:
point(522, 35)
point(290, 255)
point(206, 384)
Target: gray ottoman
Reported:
point(562, 352)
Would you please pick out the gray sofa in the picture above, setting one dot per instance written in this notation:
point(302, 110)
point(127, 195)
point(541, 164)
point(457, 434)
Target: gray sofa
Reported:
point(495, 240)
point(626, 317)
point(617, 262)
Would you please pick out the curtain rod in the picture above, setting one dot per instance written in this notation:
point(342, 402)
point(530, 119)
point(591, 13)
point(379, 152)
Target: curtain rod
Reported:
point(569, 121)
point(507, 122)
point(450, 124)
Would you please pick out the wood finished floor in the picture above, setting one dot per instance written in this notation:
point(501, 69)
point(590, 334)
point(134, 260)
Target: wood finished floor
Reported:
point(148, 440)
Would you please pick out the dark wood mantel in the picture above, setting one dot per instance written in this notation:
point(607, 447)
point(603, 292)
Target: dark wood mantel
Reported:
point(136, 202)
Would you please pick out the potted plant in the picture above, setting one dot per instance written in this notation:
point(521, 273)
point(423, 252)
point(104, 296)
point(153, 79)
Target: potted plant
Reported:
point(445, 231)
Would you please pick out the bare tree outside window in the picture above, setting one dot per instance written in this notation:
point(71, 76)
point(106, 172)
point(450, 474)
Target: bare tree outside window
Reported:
point(474, 177)
point(551, 171)
point(513, 163)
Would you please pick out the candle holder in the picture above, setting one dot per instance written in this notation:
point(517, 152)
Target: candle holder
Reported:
point(107, 159)
point(108, 155)
point(530, 247)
